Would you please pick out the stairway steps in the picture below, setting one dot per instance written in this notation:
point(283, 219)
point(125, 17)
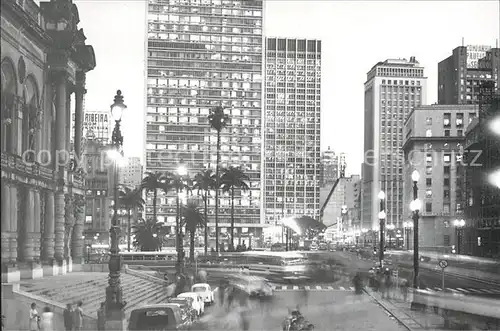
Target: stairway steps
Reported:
point(84, 294)
point(94, 303)
point(80, 293)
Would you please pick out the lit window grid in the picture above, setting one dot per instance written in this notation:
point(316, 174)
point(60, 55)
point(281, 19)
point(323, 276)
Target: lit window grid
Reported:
point(273, 174)
point(202, 151)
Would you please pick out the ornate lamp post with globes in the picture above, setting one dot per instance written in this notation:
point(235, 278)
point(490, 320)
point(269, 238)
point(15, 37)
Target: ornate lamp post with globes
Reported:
point(407, 225)
point(415, 207)
point(115, 316)
point(381, 217)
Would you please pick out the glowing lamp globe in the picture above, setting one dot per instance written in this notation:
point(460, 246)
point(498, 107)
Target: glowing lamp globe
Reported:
point(415, 176)
point(118, 107)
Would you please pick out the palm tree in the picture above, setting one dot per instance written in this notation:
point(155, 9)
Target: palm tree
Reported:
point(147, 235)
point(130, 199)
point(233, 178)
point(204, 182)
point(218, 121)
point(177, 183)
point(151, 183)
point(193, 219)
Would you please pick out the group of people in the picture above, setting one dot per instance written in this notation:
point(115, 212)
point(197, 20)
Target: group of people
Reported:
point(73, 319)
point(383, 282)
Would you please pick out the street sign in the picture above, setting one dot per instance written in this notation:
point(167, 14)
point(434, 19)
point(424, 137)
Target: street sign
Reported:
point(443, 264)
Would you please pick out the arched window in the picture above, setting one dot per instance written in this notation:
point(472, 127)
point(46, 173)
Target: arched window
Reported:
point(30, 114)
point(9, 92)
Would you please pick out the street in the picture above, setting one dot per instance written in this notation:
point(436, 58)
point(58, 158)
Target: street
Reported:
point(327, 310)
point(431, 278)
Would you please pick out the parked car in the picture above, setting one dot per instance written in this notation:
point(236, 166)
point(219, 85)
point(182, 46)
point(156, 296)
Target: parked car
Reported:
point(165, 316)
point(205, 291)
point(197, 304)
point(186, 305)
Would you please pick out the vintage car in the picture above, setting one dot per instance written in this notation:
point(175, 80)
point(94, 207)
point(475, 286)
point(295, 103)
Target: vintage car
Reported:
point(253, 285)
point(197, 304)
point(165, 316)
point(186, 305)
point(205, 291)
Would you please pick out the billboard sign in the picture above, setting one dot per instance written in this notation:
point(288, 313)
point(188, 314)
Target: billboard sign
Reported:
point(97, 125)
point(474, 53)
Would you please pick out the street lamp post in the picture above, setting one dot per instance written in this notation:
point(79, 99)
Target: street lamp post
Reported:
point(415, 207)
point(381, 217)
point(115, 316)
point(459, 224)
point(181, 172)
point(407, 226)
point(390, 228)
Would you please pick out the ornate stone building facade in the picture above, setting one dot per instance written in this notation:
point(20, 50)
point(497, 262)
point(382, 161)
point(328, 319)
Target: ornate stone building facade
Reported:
point(44, 60)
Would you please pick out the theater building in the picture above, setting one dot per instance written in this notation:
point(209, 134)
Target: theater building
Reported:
point(44, 61)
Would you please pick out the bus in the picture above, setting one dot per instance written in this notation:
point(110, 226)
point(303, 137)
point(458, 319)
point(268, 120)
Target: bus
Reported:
point(274, 262)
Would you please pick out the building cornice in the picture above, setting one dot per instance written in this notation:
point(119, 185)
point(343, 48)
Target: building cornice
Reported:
point(28, 24)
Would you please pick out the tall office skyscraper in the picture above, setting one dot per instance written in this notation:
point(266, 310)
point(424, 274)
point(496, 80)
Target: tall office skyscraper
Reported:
point(202, 54)
point(392, 89)
point(292, 128)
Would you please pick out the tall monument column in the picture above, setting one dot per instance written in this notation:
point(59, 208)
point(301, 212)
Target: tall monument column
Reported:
point(48, 231)
point(13, 224)
point(62, 152)
point(37, 235)
point(79, 94)
point(28, 241)
point(77, 240)
point(61, 159)
point(59, 226)
point(6, 233)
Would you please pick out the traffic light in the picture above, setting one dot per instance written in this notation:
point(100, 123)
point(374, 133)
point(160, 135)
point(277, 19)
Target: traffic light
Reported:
point(453, 251)
point(374, 249)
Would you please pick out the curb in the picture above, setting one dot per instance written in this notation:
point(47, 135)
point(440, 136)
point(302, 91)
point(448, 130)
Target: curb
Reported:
point(396, 316)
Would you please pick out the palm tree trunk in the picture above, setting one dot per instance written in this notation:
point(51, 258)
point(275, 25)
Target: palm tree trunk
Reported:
point(217, 194)
point(206, 223)
point(191, 246)
point(232, 217)
point(154, 205)
point(129, 230)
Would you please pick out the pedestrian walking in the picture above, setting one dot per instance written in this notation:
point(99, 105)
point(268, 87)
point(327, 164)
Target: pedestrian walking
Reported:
point(34, 318)
point(387, 284)
point(78, 316)
point(68, 317)
point(404, 289)
point(101, 317)
point(304, 296)
point(46, 321)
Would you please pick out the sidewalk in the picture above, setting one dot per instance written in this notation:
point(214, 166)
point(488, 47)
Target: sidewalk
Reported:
point(412, 320)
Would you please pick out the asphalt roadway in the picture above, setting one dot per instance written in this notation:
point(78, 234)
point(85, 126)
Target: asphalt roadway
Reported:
point(326, 310)
point(430, 278)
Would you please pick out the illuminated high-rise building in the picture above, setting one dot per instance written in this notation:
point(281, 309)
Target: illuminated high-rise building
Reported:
point(292, 128)
point(392, 89)
point(202, 54)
